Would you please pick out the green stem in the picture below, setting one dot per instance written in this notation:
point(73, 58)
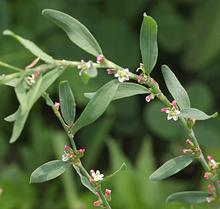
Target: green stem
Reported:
point(10, 67)
point(79, 163)
point(102, 196)
point(156, 90)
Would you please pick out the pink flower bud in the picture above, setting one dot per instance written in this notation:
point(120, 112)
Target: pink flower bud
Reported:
point(109, 71)
point(174, 103)
point(148, 98)
point(140, 79)
point(189, 142)
point(100, 59)
point(218, 181)
point(57, 105)
point(164, 109)
point(97, 203)
point(209, 158)
point(36, 74)
point(108, 192)
point(187, 151)
point(82, 150)
point(207, 175)
point(66, 147)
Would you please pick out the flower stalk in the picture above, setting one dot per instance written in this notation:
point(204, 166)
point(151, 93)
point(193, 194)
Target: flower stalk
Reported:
point(79, 164)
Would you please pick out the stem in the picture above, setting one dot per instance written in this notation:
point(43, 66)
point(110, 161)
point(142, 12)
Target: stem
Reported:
point(150, 82)
point(79, 163)
point(10, 67)
point(156, 90)
point(102, 196)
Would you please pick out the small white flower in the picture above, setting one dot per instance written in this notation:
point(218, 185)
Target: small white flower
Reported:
point(87, 68)
point(210, 199)
point(172, 114)
point(122, 75)
point(97, 176)
point(65, 157)
point(31, 79)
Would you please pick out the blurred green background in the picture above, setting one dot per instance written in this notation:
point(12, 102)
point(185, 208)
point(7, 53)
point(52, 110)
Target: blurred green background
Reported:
point(131, 130)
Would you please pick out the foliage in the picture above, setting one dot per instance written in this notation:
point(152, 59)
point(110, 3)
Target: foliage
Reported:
point(116, 115)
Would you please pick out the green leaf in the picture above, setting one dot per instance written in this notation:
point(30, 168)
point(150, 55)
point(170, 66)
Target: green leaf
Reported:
point(203, 50)
point(122, 168)
point(148, 43)
point(33, 95)
point(191, 197)
point(124, 90)
point(175, 88)
point(48, 171)
point(75, 30)
point(97, 105)
point(6, 79)
point(12, 117)
point(32, 47)
point(171, 167)
point(84, 180)
point(67, 102)
point(196, 114)
point(21, 94)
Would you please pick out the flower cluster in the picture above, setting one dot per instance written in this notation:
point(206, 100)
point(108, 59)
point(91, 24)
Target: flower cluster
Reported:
point(212, 194)
point(191, 149)
point(70, 155)
point(172, 112)
point(87, 68)
point(149, 97)
point(100, 59)
point(122, 75)
point(96, 176)
point(31, 79)
point(99, 202)
point(212, 163)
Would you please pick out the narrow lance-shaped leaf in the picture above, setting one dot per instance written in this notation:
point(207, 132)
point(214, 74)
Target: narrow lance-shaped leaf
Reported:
point(175, 88)
point(34, 94)
point(32, 47)
point(148, 43)
point(22, 94)
point(6, 79)
point(125, 90)
point(190, 197)
point(171, 167)
point(75, 30)
point(97, 105)
point(84, 180)
point(48, 171)
point(196, 114)
point(67, 102)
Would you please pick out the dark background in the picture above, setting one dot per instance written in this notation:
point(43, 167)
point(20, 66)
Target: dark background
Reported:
point(131, 130)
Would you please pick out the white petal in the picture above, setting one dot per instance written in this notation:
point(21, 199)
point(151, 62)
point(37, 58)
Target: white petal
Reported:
point(121, 79)
point(169, 117)
point(116, 75)
point(175, 117)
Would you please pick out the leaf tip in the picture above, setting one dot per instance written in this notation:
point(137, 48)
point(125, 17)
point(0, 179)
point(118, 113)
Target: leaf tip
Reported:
point(145, 14)
point(215, 115)
point(7, 32)
point(123, 167)
point(45, 11)
point(151, 177)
